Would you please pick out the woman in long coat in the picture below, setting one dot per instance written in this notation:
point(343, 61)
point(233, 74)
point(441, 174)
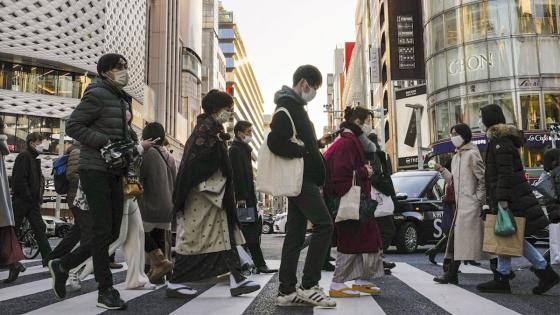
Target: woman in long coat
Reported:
point(207, 225)
point(467, 230)
point(359, 243)
point(10, 250)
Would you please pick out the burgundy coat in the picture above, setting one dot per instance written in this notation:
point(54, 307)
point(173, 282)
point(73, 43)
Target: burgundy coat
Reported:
point(343, 157)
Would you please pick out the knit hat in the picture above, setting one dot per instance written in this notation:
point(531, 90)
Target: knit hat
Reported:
point(108, 62)
point(492, 115)
point(464, 131)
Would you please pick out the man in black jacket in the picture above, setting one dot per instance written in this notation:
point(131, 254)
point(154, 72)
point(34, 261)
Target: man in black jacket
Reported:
point(240, 156)
point(28, 186)
point(309, 205)
point(100, 118)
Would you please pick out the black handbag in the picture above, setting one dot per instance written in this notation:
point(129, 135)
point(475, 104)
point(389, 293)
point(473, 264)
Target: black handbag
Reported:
point(246, 215)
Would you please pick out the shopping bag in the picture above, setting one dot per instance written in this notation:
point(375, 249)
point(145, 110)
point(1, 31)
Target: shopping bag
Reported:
point(505, 223)
point(349, 208)
point(244, 257)
point(385, 205)
point(546, 187)
point(276, 175)
point(503, 245)
point(247, 215)
point(554, 241)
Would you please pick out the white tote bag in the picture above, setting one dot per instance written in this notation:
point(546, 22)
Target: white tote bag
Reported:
point(349, 208)
point(385, 205)
point(276, 175)
point(554, 241)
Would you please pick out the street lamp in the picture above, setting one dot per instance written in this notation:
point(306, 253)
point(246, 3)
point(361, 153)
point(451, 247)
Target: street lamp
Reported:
point(418, 111)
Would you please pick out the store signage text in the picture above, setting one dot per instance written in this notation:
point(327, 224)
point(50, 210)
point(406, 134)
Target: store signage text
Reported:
point(471, 63)
point(405, 39)
point(529, 83)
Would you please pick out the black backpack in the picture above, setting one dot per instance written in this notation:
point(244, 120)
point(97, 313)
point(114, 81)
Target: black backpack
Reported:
point(61, 183)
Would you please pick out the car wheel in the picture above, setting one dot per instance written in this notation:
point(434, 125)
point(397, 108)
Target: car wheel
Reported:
point(266, 229)
point(407, 238)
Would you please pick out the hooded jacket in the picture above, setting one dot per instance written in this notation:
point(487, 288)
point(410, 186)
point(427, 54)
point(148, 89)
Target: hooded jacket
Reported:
point(278, 140)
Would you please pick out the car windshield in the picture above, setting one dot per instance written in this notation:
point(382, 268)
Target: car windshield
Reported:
point(412, 186)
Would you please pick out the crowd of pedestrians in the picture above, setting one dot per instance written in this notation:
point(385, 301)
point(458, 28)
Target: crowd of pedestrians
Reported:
point(128, 193)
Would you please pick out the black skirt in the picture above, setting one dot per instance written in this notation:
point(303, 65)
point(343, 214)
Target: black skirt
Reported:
point(192, 268)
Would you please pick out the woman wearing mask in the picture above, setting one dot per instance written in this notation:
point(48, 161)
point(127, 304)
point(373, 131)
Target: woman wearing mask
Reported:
point(467, 230)
point(507, 187)
point(204, 201)
point(10, 250)
point(358, 242)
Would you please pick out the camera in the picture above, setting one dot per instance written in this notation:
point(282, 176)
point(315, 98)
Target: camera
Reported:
point(120, 154)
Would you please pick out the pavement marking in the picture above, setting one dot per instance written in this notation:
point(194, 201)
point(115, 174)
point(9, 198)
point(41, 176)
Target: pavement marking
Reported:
point(451, 298)
point(34, 287)
point(29, 271)
point(218, 300)
point(471, 269)
point(364, 305)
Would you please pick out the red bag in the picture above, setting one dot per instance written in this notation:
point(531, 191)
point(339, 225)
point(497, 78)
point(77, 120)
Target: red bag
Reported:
point(10, 249)
point(449, 194)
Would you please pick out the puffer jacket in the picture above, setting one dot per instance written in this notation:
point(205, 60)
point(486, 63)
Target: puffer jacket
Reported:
point(72, 174)
point(505, 177)
point(98, 118)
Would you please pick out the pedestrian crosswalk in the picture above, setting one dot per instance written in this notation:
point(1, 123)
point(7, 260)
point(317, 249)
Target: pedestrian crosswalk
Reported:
point(32, 294)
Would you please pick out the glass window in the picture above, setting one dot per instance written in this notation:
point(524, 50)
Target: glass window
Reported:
point(498, 18)
point(548, 47)
point(455, 66)
point(440, 71)
point(437, 34)
point(430, 75)
point(22, 130)
point(505, 101)
point(533, 157)
point(5, 75)
point(10, 129)
point(435, 7)
point(456, 111)
point(525, 16)
point(530, 112)
point(474, 21)
point(448, 4)
point(500, 58)
point(472, 108)
point(546, 21)
point(226, 33)
point(442, 121)
point(476, 61)
point(525, 56)
point(227, 48)
point(452, 35)
point(552, 109)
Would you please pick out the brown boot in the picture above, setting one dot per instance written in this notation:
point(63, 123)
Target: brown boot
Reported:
point(160, 265)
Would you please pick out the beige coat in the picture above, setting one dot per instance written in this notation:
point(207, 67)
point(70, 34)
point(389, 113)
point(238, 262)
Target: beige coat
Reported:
point(203, 227)
point(470, 194)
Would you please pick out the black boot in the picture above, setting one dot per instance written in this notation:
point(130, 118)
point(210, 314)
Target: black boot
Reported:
point(450, 276)
point(547, 279)
point(15, 269)
point(265, 269)
point(432, 252)
point(500, 284)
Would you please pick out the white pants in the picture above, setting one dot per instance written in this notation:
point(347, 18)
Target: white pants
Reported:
point(131, 238)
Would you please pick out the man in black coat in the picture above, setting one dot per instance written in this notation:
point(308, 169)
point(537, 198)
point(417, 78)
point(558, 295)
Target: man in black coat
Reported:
point(309, 205)
point(507, 187)
point(240, 156)
point(28, 186)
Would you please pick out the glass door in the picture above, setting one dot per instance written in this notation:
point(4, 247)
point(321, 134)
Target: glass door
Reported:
point(531, 115)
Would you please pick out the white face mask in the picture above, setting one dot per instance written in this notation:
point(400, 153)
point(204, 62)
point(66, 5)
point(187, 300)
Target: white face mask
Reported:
point(309, 96)
point(121, 77)
point(367, 129)
point(224, 116)
point(40, 148)
point(457, 141)
point(247, 139)
point(481, 125)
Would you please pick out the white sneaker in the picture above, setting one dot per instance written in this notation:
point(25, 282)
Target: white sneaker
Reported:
point(74, 281)
point(315, 296)
point(291, 300)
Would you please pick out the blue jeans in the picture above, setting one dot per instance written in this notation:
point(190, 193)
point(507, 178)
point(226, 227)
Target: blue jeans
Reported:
point(529, 252)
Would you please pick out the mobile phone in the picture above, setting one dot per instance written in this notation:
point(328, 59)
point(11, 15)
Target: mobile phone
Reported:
point(155, 140)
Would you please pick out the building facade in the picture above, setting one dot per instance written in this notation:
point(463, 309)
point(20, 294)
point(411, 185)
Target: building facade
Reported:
point(213, 59)
point(505, 52)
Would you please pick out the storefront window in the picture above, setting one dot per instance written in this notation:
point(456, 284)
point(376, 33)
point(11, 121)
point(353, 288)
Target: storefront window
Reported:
point(474, 21)
point(477, 62)
point(448, 4)
point(437, 34)
point(498, 18)
point(552, 109)
point(452, 35)
point(442, 120)
point(455, 66)
point(546, 21)
point(500, 58)
point(547, 47)
point(530, 112)
point(472, 108)
point(456, 108)
point(505, 101)
point(10, 128)
point(525, 17)
point(525, 56)
point(533, 157)
point(440, 71)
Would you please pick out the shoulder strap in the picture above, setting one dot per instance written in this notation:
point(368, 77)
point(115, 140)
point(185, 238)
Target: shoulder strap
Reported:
point(282, 109)
point(164, 159)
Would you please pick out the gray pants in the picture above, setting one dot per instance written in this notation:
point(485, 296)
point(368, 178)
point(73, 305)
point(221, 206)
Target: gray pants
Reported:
point(309, 205)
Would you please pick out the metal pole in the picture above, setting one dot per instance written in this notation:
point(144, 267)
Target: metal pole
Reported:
point(419, 137)
point(62, 135)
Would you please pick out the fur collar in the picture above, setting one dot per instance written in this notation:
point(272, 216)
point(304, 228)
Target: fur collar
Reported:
point(506, 131)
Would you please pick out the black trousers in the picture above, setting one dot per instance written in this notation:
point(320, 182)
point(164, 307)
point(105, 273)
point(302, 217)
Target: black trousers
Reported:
point(104, 193)
point(387, 230)
point(309, 205)
point(79, 233)
point(32, 211)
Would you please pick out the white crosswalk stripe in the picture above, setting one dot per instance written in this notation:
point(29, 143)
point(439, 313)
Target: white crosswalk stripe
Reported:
point(30, 271)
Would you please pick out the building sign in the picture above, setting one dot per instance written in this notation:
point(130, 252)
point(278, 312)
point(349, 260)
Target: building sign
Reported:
point(408, 161)
point(529, 83)
point(471, 63)
point(406, 42)
point(405, 119)
point(375, 75)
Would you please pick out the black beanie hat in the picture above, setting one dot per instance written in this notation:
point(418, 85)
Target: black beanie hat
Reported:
point(108, 62)
point(464, 131)
point(551, 159)
point(492, 115)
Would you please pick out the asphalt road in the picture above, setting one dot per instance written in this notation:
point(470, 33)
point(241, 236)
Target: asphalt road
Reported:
point(410, 290)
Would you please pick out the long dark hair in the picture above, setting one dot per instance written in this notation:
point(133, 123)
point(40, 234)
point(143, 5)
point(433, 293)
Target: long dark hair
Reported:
point(351, 114)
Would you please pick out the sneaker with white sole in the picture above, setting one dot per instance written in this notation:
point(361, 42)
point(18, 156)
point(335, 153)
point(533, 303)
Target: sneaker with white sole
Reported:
point(291, 299)
point(74, 281)
point(315, 296)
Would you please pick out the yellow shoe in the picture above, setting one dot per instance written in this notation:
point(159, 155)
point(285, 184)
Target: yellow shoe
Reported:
point(367, 289)
point(343, 293)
